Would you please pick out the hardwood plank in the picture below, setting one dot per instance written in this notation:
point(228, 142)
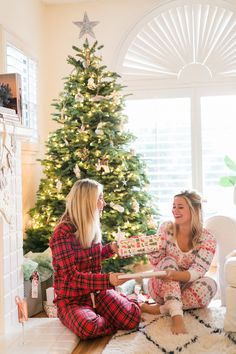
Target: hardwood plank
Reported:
point(91, 346)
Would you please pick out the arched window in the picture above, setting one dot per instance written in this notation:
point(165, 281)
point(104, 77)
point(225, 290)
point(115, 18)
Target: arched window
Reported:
point(179, 63)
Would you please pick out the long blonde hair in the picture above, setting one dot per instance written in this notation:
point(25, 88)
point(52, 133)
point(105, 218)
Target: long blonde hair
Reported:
point(82, 211)
point(194, 202)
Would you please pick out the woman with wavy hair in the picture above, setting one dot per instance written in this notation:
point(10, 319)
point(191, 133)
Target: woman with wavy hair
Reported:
point(185, 253)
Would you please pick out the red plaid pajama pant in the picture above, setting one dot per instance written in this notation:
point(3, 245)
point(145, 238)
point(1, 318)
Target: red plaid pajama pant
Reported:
point(113, 311)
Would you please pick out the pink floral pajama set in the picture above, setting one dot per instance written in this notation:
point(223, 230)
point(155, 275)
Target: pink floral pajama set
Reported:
point(174, 296)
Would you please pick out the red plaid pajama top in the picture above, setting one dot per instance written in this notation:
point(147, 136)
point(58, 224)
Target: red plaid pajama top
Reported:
point(77, 274)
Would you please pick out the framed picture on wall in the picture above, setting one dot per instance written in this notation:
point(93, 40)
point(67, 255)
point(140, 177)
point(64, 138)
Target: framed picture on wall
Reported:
point(10, 97)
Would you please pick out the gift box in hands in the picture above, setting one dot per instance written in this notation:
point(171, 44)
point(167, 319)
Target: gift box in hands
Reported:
point(138, 245)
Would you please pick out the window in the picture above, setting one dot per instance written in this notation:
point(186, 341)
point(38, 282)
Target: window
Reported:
point(166, 138)
point(179, 63)
point(18, 62)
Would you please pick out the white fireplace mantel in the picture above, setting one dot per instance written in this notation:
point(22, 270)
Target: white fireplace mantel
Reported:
point(11, 236)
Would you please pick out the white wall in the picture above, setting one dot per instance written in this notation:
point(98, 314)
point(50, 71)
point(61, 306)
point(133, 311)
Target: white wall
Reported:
point(48, 33)
point(23, 22)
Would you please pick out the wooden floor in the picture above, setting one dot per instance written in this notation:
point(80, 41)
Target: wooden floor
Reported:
point(91, 346)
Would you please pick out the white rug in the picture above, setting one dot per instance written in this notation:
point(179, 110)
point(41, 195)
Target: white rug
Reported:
point(154, 336)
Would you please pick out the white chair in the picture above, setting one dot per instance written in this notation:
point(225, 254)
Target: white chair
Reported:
point(230, 276)
point(224, 228)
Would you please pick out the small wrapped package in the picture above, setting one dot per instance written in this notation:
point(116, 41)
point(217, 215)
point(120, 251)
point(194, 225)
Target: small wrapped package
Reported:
point(138, 245)
point(51, 310)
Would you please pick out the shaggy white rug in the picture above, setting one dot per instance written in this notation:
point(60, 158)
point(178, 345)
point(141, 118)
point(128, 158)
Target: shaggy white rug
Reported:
point(205, 335)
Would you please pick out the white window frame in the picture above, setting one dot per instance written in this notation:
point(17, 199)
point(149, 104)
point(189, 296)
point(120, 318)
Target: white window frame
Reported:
point(30, 131)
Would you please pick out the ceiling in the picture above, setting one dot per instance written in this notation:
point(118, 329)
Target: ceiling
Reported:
point(64, 1)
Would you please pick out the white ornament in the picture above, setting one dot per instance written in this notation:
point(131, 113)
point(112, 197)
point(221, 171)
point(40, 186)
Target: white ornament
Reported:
point(79, 97)
point(116, 97)
point(97, 98)
point(135, 206)
point(107, 78)
point(59, 186)
point(99, 130)
point(77, 171)
point(98, 166)
point(105, 168)
point(117, 207)
point(91, 84)
point(102, 166)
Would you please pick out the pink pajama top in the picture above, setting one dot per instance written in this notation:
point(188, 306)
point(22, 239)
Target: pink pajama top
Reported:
point(197, 261)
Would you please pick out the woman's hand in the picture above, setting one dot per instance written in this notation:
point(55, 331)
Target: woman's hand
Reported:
point(114, 247)
point(113, 278)
point(169, 276)
point(176, 275)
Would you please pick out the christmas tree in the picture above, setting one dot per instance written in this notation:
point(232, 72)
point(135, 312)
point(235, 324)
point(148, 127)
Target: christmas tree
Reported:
point(91, 142)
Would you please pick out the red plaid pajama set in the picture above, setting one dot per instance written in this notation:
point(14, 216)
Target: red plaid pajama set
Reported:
point(86, 301)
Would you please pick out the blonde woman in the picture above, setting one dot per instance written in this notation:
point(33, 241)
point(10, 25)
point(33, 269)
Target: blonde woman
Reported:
point(86, 299)
point(186, 252)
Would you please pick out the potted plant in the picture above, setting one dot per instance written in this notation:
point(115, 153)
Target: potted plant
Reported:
point(5, 94)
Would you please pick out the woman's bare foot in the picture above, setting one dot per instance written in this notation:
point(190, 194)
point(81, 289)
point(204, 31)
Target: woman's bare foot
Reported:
point(152, 309)
point(178, 326)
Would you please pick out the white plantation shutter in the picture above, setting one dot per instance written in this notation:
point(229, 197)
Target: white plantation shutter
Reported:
point(163, 132)
point(166, 141)
point(196, 37)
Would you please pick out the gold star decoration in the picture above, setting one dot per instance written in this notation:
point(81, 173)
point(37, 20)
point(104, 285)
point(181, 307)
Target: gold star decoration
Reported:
point(86, 26)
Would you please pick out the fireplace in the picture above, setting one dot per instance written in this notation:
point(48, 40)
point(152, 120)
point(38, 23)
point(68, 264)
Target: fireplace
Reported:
point(11, 238)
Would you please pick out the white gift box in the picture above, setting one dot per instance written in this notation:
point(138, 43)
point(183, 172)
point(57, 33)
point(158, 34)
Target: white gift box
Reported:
point(138, 245)
point(50, 296)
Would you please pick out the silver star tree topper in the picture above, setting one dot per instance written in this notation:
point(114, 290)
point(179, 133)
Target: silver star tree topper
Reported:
point(86, 26)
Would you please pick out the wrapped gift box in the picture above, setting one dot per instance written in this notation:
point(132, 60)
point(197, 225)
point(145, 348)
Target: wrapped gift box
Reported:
point(51, 310)
point(127, 288)
point(35, 305)
point(138, 245)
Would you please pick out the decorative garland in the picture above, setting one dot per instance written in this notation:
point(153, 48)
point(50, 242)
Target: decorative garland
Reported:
point(6, 165)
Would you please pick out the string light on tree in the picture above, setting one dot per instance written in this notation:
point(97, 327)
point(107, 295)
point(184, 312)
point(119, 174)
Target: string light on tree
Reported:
point(90, 143)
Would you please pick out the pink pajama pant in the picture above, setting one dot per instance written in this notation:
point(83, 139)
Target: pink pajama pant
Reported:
point(174, 296)
point(113, 311)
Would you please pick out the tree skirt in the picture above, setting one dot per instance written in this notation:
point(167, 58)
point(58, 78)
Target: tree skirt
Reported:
point(205, 335)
